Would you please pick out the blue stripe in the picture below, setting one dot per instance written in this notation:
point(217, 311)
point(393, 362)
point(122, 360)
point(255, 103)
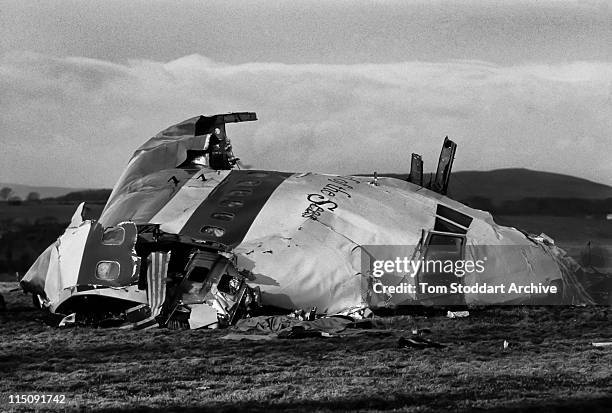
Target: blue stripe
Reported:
point(232, 207)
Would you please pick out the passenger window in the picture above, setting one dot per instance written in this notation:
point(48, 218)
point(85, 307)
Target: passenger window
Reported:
point(231, 203)
point(240, 192)
point(256, 174)
point(214, 231)
point(222, 216)
point(249, 183)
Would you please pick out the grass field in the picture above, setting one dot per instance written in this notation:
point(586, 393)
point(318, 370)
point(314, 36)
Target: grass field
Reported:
point(30, 212)
point(550, 365)
point(570, 233)
point(564, 230)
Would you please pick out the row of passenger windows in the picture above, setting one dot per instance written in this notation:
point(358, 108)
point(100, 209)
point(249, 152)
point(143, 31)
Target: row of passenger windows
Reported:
point(233, 203)
point(110, 270)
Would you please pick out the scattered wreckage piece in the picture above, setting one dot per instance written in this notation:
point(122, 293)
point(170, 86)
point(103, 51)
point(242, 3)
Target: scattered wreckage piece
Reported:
point(457, 314)
point(292, 327)
point(186, 240)
point(418, 342)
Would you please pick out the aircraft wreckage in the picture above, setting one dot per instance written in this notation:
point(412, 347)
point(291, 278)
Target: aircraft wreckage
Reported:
point(187, 238)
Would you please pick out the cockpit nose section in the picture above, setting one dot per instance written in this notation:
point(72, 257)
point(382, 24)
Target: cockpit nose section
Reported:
point(109, 257)
point(85, 256)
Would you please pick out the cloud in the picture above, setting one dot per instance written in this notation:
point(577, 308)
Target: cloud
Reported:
point(76, 121)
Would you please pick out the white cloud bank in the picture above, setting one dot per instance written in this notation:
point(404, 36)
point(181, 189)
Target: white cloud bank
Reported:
point(75, 121)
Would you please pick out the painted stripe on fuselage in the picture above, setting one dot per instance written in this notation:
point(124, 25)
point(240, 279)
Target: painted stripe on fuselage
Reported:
point(143, 198)
point(251, 188)
point(173, 216)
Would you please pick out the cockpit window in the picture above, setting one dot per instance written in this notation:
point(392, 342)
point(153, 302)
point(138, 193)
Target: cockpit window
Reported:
point(113, 236)
point(108, 270)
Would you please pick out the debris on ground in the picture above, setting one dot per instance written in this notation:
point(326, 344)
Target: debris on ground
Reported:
point(421, 331)
point(457, 314)
point(418, 342)
point(303, 315)
point(251, 337)
point(289, 327)
point(67, 321)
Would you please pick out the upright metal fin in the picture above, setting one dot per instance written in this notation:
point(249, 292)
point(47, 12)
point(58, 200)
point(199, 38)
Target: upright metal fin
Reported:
point(445, 164)
point(219, 147)
point(416, 170)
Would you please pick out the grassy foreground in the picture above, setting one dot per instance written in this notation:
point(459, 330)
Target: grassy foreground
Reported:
point(550, 365)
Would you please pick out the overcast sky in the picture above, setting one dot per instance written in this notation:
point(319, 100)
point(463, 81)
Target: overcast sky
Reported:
point(338, 86)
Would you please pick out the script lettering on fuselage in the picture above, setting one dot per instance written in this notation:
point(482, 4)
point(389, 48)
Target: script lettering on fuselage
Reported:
point(338, 187)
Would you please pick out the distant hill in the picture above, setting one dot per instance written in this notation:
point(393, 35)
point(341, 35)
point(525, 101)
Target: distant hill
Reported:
point(514, 184)
point(498, 186)
point(89, 195)
point(22, 191)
